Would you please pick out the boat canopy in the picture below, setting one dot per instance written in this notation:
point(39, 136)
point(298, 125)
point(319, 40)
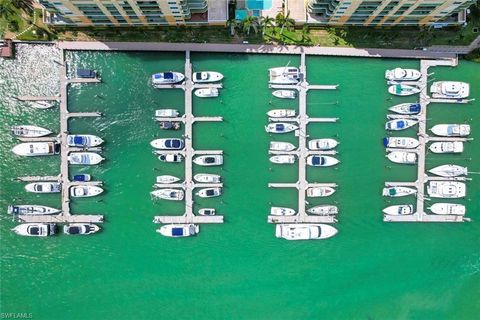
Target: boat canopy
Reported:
point(177, 231)
point(34, 230)
point(168, 75)
point(78, 140)
point(279, 127)
point(415, 108)
point(400, 124)
point(316, 160)
point(74, 230)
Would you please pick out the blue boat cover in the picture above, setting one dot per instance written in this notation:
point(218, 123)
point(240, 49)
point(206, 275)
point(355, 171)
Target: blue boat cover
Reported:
point(177, 231)
point(316, 160)
point(450, 130)
point(79, 177)
point(385, 142)
point(157, 76)
point(400, 124)
point(280, 127)
point(78, 140)
point(415, 108)
point(168, 75)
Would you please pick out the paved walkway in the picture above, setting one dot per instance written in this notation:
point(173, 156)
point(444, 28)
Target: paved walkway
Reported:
point(457, 49)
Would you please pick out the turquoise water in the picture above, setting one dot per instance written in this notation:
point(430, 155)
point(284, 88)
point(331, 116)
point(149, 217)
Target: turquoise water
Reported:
point(239, 270)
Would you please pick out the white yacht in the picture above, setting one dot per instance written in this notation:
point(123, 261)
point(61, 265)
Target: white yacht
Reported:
point(406, 108)
point(281, 113)
point(209, 192)
point(206, 93)
point(281, 146)
point(323, 210)
point(314, 192)
point(166, 113)
point(27, 209)
point(401, 142)
point(83, 140)
point(303, 231)
point(451, 130)
point(402, 157)
point(399, 210)
point(450, 90)
point(446, 189)
point(207, 178)
point(448, 209)
point(322, 144)
point(168, 144)
point(321, 161)
point(400, 74)
point(285, 94)
point(449, 170)
point(283, 159)
point(398, 191)
point(85, 191)
point(80, 228)
point(178, 230)
point(35, 229)
point(44, 187)
point(207, 212)
point(170, 157)
point(27, 131)
point(167, 78)
point(280, 127)
point(284, 75)
point(403, 90)
point(207, 77)
point(209, 160)
point(169, 194)
point(167, 179)
point(447, 147)
point(85, 158)
point(35, 149)
point(399, 124)
point(282, 211)
point(41, 104)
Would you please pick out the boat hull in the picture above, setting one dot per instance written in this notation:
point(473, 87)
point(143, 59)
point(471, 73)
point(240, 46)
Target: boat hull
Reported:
point(27, 131)
point(285, 94)
point(44, 187)
point(315, 192)
point(31, 210)
point(178, 230)
point(399, 210)
point(323, 210)
point(447, 147)
point(305, 231)
point(402, 157)
point(283, 159)
point(35, 229)
point(85, 191)
point(449, 170)
point(85, 158)
point(448, 209)
point(281, 211)
point(451, 130)
point(207, 77)
point(446, 189)
point(401, 142)
point(169, 194)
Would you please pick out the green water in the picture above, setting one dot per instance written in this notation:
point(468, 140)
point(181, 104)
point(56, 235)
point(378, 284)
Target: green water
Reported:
point(370, 270)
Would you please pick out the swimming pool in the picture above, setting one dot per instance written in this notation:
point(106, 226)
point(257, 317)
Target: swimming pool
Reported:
point(259, 4)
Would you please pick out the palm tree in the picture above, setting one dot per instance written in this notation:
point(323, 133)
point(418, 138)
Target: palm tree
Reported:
point(305, 37)
point(25, 5)
point(7, 10)
point(249, 23)
point(232, 24)
point(266, 22)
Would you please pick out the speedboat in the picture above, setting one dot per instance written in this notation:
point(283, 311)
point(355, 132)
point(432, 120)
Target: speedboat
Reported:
point(401, 142)
point(167, 78)
point(27, 209)
point(207, 178)
point(399, 124)
point(446, 147)
point(399, 210)
point(209, 160)
point(322, 144)
point(323, 210)
point(284, 75)
point(85, 191)
point(170, 125)
point(449, 170)
point(166, 113)
point(400, 74)
point(41, 104)
point(398, 191)
point(281, 211)
point(402, 157)
point(80, 228)
point(35, 149)
point(406, 108)
point(281, 113)
point(283, 159)
point(281, 146)
point(450, 89)
point(321, 161)
point(83, 140)
point(448, 209)
point(320, 191)
point(36, 229)
point(280, 127)
point(403, 90)
point(168, 144)
point(206, 93)
point(285, 94)
point(207, 77)
point(446, 189)
point(44, 187)
point(451, 130)
point(168, 194)
point(167, 179)
point(179, 230)
point(27, 131)
point(207, 212)
point(303, 231)
point(82, 177)
point(85, 158)
point(209, 192)
point(170, 157)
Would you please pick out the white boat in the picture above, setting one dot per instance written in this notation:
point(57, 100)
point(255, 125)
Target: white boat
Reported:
point(283, 159)
point(83, 140)
point(403, 90)
point(178, 230)
point(27, 209)
point(448, 209)
point(446, 147)
point(451, 130)
point(450, 90)
point(209, 192)
point(399, 124)
point(168, 194)
point(406, 108)
point(281, 113)
point(207, 212)
point(320, 192)
point(168, 144)
point(399, 210)
point(207, 178)
point(280, 127)
point(85, 191)
point(35, 149)
point(281, 146)
point(44, 187)
point(321, 161)
point(402, 157)
point(401, 142)
point(282, 211)
point(206, 93)
point(284, 75)
point(84, 158)
point(27, 131)
point(166, 113)
point(303, 231)
point(167, 78)
point(398, 191)
point(35, 229)
point(207, 77)
point(449, 170)
point(285, 94)
point(40, 104)
point(400, 74)
point(167, 179)
point(323, 210)
point(170, 157)
point(80, 228)
point(322, 144)
point(446, 189)
point(209, 160)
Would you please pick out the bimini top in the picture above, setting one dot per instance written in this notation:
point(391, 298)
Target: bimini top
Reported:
point(316, 160)
point(177, 231)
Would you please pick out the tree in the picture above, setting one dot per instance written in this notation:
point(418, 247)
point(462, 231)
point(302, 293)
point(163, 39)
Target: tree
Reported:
point(284, 21)
point(232, 24)
point(266, 22)
point(249, 23)
point(305, 32)
point(7, 10)
point(25, 5)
